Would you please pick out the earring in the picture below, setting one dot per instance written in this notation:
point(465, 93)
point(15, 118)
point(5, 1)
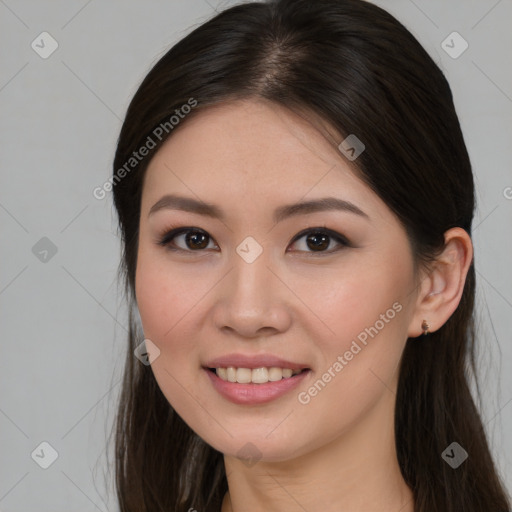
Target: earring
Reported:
point(425, 327)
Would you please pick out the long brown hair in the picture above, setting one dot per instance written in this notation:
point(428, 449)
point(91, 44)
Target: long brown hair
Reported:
point(350, 63)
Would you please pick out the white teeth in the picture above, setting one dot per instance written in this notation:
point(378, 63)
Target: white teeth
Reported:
point(259, 375)
point(275, 374)
point(256, 375)
point(231, 374)
point(222, 373)
point(243, 375)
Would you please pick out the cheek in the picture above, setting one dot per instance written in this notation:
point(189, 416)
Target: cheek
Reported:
point(157, 306)
point(359, 371)
point(366, 312)
point(364, 299)
point(164, 297)
point(164, 303)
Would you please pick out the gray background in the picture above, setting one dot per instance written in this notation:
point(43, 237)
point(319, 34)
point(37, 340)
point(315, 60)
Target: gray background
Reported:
point(62, 314)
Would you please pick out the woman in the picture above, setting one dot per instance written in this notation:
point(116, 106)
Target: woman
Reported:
point(295, 200)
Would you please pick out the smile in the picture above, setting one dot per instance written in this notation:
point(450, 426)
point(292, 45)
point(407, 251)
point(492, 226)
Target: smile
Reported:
point(259, 391)
point(255, 375)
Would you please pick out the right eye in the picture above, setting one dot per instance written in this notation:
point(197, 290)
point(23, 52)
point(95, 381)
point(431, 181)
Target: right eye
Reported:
point(193, 239)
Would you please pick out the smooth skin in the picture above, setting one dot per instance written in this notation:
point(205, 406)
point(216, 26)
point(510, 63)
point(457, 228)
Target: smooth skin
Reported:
point(248, 157)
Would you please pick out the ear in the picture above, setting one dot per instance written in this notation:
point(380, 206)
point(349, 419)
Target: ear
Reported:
point(441, 289)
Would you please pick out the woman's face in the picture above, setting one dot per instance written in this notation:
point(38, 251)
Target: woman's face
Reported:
point(256, 279)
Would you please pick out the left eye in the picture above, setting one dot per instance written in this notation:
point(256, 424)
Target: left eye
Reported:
point(320, 239)
point(317, 240)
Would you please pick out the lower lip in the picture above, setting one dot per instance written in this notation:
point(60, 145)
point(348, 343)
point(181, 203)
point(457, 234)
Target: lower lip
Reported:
point(248, 394)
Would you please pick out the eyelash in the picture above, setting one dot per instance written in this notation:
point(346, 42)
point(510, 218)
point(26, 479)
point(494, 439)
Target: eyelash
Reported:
point(168, 235)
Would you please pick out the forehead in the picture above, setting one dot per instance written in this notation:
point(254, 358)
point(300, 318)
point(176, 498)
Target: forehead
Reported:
point(254, 154)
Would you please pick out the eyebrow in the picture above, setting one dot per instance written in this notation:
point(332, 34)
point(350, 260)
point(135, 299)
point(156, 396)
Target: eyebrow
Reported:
point(188, 204)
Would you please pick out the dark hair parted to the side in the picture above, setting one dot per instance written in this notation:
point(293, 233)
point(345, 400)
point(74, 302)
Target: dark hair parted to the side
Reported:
point(354, 66)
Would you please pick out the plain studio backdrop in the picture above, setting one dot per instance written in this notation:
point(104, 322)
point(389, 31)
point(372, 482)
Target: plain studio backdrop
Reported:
point(69, 69)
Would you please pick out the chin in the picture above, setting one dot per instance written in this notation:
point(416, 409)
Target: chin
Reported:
point(253, 447)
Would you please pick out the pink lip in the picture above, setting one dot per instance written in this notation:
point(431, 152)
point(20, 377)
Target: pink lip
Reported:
point(249, 394)
point(254, 361)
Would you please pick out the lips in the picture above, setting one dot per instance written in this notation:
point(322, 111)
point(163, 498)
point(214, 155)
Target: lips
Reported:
point(255, 394)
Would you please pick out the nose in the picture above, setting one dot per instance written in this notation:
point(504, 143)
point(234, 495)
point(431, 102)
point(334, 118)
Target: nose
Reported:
point(251, 300)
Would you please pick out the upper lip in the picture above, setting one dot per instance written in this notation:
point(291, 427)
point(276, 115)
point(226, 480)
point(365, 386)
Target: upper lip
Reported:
point(253, 361)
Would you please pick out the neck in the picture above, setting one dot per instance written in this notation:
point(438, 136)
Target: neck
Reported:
point(358, 470)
